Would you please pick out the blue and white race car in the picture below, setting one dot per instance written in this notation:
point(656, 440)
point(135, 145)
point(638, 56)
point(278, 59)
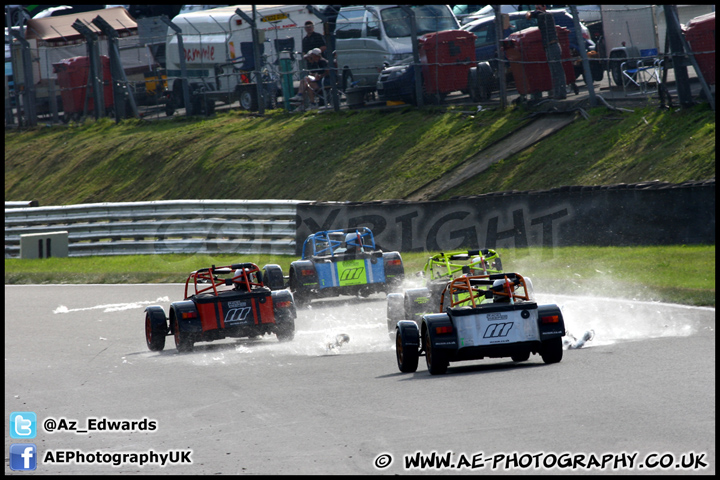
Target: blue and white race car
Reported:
point(343, 262)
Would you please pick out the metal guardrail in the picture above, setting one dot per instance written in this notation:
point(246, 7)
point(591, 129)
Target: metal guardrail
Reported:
point(173, 226)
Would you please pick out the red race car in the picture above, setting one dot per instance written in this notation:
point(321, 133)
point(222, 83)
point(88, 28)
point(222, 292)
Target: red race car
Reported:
point(229, 301)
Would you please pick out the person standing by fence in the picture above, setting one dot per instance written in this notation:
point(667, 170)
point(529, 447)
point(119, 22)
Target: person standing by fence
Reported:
point(551, 44)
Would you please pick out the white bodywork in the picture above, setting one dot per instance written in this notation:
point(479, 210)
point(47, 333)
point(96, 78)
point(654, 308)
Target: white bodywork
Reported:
point(494, 328)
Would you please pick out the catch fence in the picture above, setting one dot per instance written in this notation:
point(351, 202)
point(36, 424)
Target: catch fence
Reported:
point(628, 34)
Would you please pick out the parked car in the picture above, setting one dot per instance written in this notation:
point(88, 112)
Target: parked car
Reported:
point(487, 10)
point(482, 316)
point(219, 302)
point(484, 30)
point(369, 36)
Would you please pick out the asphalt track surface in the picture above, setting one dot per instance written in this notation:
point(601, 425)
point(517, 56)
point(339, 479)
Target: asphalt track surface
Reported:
point(645, 384)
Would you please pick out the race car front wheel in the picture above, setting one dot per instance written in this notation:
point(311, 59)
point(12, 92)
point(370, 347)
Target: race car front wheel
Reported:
point(436, 360)
point(183, 342)
point(407, 355)
point(154, 337)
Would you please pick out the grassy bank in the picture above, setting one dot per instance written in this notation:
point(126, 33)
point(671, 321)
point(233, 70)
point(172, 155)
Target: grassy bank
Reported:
point(676, 274)
point(346, 156)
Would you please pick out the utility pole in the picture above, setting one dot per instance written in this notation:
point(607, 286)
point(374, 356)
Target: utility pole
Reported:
point(587, 74)
point(183, 67)
point(417, 68)
point(678, 57)
point(256, 54)
point(673, 19)
point(118, 73)
point(500, 62)
point(94, 56)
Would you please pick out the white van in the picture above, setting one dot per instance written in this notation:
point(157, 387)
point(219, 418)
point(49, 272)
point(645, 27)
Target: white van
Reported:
point(366, 37)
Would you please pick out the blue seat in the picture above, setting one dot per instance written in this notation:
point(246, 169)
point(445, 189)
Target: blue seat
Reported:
point(640, 72)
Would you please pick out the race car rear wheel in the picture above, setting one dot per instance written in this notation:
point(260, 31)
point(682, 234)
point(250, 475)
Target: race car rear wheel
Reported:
point(154, 337)
point(272, 277)
point(436, 360)
point(285, 329)
point(407, 355)
point(183, 342)
point(552, 350)
point(300, 295)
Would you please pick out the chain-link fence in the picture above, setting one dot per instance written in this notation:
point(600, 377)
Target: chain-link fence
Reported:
point(200, 61)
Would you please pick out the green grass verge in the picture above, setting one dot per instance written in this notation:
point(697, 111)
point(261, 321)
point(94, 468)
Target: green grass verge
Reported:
point(676, 274)
point(346, 156)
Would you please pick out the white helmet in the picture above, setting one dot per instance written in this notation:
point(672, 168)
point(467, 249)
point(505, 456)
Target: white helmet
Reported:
point(354, 238)
point(238, 278)
point(478, 263)
point(499, 285)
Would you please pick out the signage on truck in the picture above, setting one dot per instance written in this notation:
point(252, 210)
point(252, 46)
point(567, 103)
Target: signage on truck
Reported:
point(274, 18)
point(192, 54)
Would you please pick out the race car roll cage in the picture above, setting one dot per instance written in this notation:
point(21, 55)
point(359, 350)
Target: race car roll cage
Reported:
point(467, 289)
point(441, 263)
point(364, 240)
point(209, 275)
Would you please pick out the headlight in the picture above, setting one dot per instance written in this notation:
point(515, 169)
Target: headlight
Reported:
point(399, 72)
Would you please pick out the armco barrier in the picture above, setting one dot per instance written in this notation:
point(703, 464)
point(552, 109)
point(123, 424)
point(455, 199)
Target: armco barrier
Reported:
point(174, 226)
point(651, 213)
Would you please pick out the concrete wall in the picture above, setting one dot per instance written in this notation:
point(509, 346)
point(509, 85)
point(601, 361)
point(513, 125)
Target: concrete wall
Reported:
point(44, 245)
point(652, 213)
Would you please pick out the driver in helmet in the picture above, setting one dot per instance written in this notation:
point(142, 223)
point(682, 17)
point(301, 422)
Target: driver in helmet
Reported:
point(499, 286)
point(239, 281)
point(353, 242)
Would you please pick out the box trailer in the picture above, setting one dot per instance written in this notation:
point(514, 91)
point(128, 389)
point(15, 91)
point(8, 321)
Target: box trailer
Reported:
point(218, 52)
point(630, 30)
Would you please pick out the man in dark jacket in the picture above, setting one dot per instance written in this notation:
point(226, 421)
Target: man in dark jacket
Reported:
point(312, 39)
point(546, 24)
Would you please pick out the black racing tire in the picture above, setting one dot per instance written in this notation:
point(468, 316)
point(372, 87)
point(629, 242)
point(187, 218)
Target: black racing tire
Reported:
point(521, 357)
point(183, 342)
point(154, 337)
point(286, 330)
point(552, 351)
point(436, 360)
point(272, 277)
point(300, 295)
point(407, 355)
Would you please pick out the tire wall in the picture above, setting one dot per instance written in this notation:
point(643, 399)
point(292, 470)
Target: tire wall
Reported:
point(651, 213)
